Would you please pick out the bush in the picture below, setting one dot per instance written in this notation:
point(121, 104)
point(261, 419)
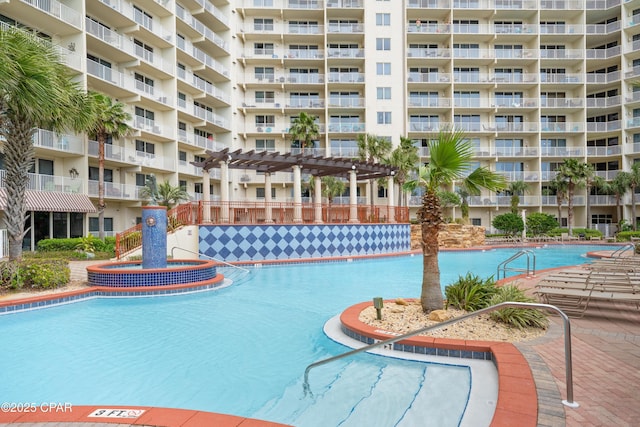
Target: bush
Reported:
point(470, 293)
point(517, 317)
point(540, 223)
point(509, 223)
point(625, 236)
point(60, 245)
point(34, 273)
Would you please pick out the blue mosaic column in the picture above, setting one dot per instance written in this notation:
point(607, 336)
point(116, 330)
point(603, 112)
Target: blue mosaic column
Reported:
point(154, 237)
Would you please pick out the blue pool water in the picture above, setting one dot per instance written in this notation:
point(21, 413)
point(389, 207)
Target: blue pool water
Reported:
point(237, 350)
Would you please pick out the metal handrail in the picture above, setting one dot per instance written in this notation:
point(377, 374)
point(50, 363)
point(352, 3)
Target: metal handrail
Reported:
point(567, 343)
point(529, 271)
point(244, 270)
point(618, 252)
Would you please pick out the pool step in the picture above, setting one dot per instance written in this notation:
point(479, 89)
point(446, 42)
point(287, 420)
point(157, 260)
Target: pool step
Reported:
point(361, 394)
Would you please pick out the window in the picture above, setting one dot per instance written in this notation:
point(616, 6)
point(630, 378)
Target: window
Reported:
point(383, 43)
point(141, 179)
point(263, 48)
point(384, 93)
point(142, 17)
point(476, 221)
point(383, 68)
point(264, 73)
point(265, 145)
point(260, 193)
point(182, 184)
point(384, 117)
point(383, 19)
point(145, 147)
point(143, 50)
point(143, 83)
point(182, 156)
point(263, 24)
point(93, 174)
point(94, 225)
point(264, 97)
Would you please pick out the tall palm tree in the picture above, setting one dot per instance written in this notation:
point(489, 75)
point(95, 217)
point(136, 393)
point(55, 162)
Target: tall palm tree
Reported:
point(559, 185)
point(36, 91)
point(109, 120)
point(589, 183)
point(634, 182)
point(516, 188)
point(451, 160)
point(618, 187)
point(304, 129)
point(405, 157)
point(574, 173)
point(372, 149)
point(164, 194)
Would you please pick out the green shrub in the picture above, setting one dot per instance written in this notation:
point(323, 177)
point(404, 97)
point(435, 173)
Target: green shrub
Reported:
point(508, 223)
point(625, 236)
point(60, 245)
point(34, 273)
point(470, 293)
point(540, 223)
point(517, 317)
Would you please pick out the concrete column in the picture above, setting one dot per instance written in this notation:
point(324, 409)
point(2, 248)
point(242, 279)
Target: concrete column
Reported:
point(268, 213)
point(224, 191)
point(317, 199)
point(390, 198)
point(297, 194)
point(353, 196)
point(206, 196)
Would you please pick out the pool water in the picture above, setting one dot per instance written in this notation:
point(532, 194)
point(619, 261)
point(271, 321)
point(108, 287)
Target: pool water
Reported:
point(239, 350)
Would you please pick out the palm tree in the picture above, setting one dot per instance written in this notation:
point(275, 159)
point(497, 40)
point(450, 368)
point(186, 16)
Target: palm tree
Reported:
point(634, 182)
point(164, 194)
point(618, 187)
point(405, 157)
point(516, 188)
point(574, 173)
point(590, 179)
point(559, 185)
point(331, 187)
point(372, 148)
point(36, 91)
point(451, 160)
point(109, 120)
point(305, 130)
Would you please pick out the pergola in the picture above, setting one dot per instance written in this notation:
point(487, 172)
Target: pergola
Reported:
point(316, 166)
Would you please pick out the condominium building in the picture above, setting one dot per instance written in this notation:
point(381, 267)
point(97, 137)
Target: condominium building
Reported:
point(531, 82)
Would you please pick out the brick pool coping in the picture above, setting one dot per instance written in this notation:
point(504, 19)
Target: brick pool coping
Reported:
point(517, 402)
point(165, 417)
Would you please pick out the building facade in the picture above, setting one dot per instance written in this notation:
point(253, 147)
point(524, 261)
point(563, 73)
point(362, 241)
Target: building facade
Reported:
point(531, 82)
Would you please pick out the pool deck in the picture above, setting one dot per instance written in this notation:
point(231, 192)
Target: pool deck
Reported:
point(606, 372)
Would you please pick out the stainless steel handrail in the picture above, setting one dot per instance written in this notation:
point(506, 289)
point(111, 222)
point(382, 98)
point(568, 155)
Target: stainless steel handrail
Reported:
point(529, 271)
point(209, 257)
point(567, 343)
point(618, 252)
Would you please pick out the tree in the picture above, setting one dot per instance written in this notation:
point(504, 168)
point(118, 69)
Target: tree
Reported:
point(589, 176)
point(372, 148)
point(634, 182)
point(516, 189)
point(163, 194)
point(305, 130)
point(404, 157)
point(464, 203)
point(36, 91)
point(540, 223)
point(509, 223)
point(449, 199)
point(574, 173)
point(331, 187)
point(618, 187)
point(108, 120)
point(559, 185)
point(451, 157)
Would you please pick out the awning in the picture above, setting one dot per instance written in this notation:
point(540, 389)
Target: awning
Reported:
point(52, 201)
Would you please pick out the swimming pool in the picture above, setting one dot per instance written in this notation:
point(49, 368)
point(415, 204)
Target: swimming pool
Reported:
point(239, 350)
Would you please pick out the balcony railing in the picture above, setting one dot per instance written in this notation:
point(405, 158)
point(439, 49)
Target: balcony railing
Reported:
point(41, 182)
point(62, 142)
point(58, 10)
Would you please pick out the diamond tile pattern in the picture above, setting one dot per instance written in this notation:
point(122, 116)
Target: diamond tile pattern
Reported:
point(271, 242)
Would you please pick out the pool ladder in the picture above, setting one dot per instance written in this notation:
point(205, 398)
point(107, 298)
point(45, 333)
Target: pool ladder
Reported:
point(236, 273)
point(618, 252)
point(530, 305)
point(531, 264)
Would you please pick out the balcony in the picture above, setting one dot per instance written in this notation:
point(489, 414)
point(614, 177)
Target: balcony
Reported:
point(335, 102)
point(345, 28)
point(418, 52)
point(304, 4)
point(199, 141)
point(117, 153)
point(304, 54)
point(60, 142)
point(345, 4)
point(613, 150)
point(562, 103)
point(304, 29)
point(600, 54)
point(114, 190)
point(345, 53)
point(58, 10)
point(40, 182)
point(185, 167)
point(303, 78)
point(604, 126)
point(211, 117)
point(202, 57)
point(347, 127)
point(435, 102)
point(429, 78)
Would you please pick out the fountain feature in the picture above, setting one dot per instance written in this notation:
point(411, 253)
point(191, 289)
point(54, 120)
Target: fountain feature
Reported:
point(154, 270)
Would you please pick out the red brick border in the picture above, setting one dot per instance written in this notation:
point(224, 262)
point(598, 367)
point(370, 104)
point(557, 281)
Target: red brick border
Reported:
point(517, 396)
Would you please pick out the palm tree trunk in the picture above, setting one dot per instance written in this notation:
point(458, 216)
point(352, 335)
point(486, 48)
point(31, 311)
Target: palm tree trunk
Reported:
point(570, 209)
point(633, 208)
point(430, 215)
point(19, 156)
point(588, 206)
point(101, 205)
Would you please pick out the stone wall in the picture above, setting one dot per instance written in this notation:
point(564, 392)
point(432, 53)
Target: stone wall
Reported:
point(452, 236)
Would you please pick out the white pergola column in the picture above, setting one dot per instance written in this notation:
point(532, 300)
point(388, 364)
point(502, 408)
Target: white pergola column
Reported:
point(353, 196)
point(297, 194)
point(206, 196)
point(268, 213)
point(224, 191)
point(317, 199)
point(390, 198)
